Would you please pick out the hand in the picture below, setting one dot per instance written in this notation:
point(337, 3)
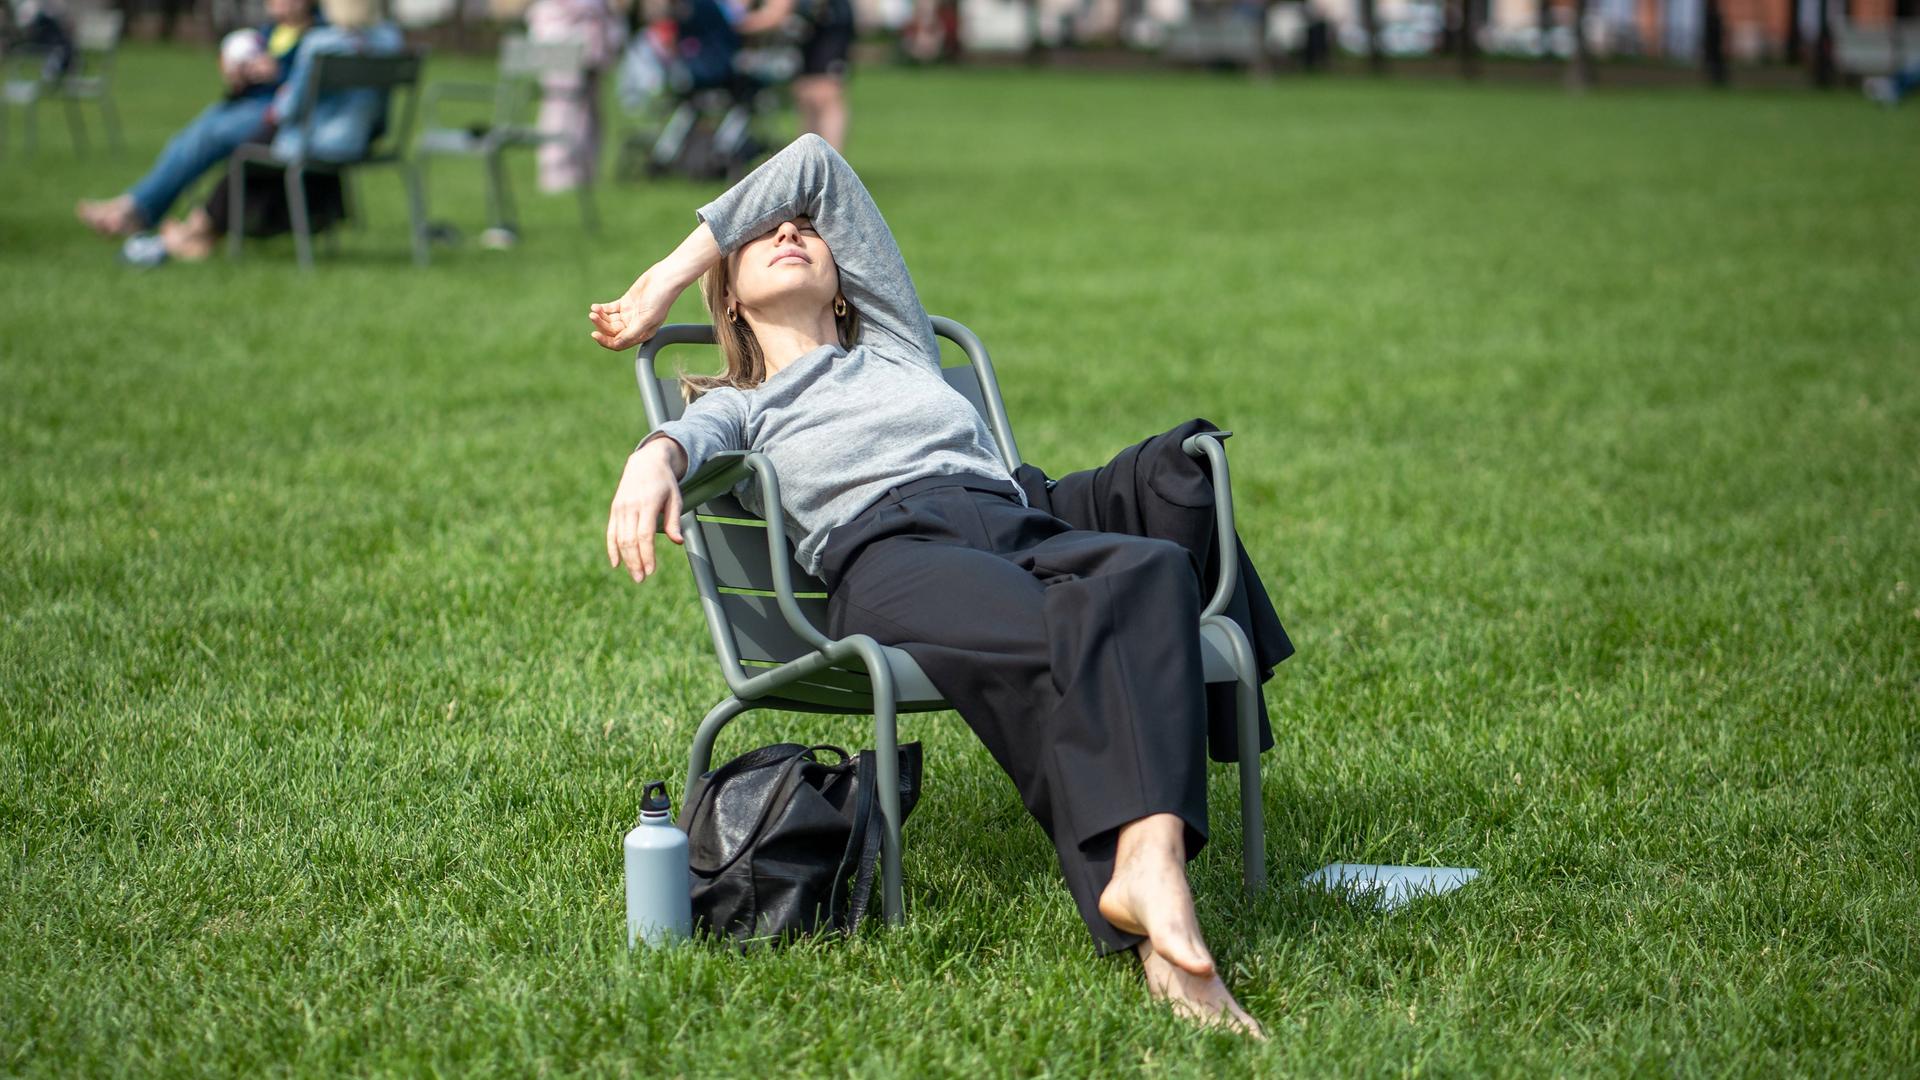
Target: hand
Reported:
point(260, 69)
point(648, 491)
point(632, 319)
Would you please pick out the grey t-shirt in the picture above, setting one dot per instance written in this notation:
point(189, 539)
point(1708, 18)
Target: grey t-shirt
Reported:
point(840, 426)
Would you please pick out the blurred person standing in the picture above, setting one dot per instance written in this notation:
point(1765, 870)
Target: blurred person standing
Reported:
point(570, 104)
point(252, 78)
point(820, 90)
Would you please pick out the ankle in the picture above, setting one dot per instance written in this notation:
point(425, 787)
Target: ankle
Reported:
point(1157, 838)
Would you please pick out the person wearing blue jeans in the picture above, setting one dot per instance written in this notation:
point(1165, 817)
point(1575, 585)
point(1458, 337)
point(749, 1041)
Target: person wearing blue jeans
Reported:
point(212, 136)
point(342, 125)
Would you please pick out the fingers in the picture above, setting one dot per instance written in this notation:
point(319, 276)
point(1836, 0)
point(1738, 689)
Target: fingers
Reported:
point(673, 517)
point(630, 537)
point(649, 514)
point(612, 330)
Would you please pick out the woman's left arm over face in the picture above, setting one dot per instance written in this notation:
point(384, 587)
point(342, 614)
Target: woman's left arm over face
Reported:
point(809, 178)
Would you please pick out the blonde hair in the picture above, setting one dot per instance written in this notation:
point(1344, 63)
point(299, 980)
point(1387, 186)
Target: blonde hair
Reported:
point(746, 365)
point(351, 14)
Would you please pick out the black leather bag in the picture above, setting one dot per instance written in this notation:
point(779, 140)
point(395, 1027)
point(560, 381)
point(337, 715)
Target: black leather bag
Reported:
point(783, 843)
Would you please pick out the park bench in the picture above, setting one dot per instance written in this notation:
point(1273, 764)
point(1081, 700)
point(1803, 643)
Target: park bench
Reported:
point(763, 609)
point(392, 76)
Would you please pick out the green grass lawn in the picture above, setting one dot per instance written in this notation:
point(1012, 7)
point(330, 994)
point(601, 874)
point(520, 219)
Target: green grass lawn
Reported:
point(1578, 442)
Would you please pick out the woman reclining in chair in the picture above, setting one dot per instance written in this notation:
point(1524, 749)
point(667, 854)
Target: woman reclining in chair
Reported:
point(1073, 654)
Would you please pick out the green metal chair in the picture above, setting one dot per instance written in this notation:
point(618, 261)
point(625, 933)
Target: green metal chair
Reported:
point(397, 77)
point(96, 40)
point(523, 64)
point(763, 609)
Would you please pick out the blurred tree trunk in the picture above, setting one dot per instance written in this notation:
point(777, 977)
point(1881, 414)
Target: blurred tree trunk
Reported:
point(1793, 32)
point(1580, 64)
point(1370, 22)
point(1713, 44)
point(1264, 62)
point(170, 18)
point(1823, 45)
point(1470, 15)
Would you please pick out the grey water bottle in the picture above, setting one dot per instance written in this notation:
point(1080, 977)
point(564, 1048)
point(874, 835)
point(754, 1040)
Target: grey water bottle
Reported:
point(659, 887)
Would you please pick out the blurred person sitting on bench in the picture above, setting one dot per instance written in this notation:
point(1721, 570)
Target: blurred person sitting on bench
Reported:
point(344, 123)
point(252, 77)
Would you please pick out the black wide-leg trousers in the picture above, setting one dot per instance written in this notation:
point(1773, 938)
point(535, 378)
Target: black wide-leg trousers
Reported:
point(1073, 655)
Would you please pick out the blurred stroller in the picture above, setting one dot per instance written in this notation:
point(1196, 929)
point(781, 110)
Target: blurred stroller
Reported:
point(697, 92)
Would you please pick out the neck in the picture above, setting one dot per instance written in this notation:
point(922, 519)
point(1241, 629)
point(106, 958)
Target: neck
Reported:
point(782, 342)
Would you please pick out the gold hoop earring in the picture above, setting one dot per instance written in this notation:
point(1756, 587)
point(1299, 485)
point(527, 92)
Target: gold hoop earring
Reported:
point(840, 307)
point(732, 315)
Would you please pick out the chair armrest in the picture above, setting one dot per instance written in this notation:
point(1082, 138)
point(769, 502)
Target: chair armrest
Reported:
point(779, 558)
point(1207, 444)
point(456, 91)
point(720, 473)
point(716, 476)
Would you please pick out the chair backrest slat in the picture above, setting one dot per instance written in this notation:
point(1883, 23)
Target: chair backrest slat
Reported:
point(99, 31)
point(345, 71)
point(523, 58)
point(733, 540)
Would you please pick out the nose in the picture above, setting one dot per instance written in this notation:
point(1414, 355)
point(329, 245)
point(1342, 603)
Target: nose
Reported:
point(787, 233)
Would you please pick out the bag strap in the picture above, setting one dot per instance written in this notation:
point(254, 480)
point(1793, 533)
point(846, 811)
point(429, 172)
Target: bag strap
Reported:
point(867, 774)
point(851, 858)
point(783, 785)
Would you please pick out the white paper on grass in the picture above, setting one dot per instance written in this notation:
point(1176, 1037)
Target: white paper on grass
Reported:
point(1389, 887)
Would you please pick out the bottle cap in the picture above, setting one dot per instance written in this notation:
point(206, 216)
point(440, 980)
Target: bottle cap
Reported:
point(653, 799)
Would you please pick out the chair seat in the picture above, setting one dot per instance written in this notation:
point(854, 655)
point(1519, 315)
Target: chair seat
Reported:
point(451, 141)
point(470, 143)
point(21, 91)
point(912, 684)
point(842, 690)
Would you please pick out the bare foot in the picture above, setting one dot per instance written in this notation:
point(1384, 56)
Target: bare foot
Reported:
point(109, 217)
point(190, 240)
point(1149, 893)
point(1202, 999)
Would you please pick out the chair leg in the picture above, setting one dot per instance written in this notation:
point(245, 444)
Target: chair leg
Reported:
point(1253, 840)
point(302, 225)
point(589, 209)
point(76, 126)
point(353, 209)
point(416, 210)
point(30, 142)
point(236, 204)
point(886, 754)
point(701, 759)
point(110, 119)
point(499, 194)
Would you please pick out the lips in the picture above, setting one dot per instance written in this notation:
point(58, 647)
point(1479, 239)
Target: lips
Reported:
point(790, 253)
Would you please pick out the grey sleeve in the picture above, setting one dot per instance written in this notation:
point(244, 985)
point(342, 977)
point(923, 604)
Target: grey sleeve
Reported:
point(715, 421)
point(810, 177)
